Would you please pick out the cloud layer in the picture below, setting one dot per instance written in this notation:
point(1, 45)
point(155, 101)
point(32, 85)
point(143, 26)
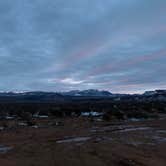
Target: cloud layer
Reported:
point(57, 45)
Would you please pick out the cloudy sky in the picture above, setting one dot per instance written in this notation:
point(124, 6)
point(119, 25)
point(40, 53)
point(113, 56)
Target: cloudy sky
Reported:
point(61, 45)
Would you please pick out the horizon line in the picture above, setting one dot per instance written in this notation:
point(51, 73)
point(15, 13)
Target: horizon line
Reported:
point(45, 91)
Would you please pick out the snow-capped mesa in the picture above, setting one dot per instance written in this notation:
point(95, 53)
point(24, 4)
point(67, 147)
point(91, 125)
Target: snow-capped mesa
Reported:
point(89, 92)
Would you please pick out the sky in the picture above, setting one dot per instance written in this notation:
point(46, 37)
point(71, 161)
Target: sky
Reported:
point(63, 45)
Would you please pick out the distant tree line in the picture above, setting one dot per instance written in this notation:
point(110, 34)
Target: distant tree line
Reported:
point(116, 108)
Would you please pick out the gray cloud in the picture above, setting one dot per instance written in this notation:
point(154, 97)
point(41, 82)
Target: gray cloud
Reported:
point(78, 44)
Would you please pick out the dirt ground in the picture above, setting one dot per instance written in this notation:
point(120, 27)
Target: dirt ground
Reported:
point(81, 142)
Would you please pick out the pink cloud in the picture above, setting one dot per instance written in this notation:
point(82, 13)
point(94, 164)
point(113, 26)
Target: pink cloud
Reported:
point(126, 64)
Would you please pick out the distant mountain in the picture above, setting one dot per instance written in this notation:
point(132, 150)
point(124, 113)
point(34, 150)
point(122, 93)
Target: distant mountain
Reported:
point(88, 93)
point(156, 92)
point(30, 96)
point(157, 95)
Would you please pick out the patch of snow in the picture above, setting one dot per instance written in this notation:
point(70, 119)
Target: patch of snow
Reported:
point(4, 149)
point(22, 124)
point(135, 129)
point(91, 113)
point(74, 139)
point(35, 126)
point(9, 117)
point(161, 131)
point(1, 128)
point(135, 119)
point(37, 115)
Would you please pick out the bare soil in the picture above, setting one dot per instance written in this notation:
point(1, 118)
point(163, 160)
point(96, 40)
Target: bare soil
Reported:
point(80, 142)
